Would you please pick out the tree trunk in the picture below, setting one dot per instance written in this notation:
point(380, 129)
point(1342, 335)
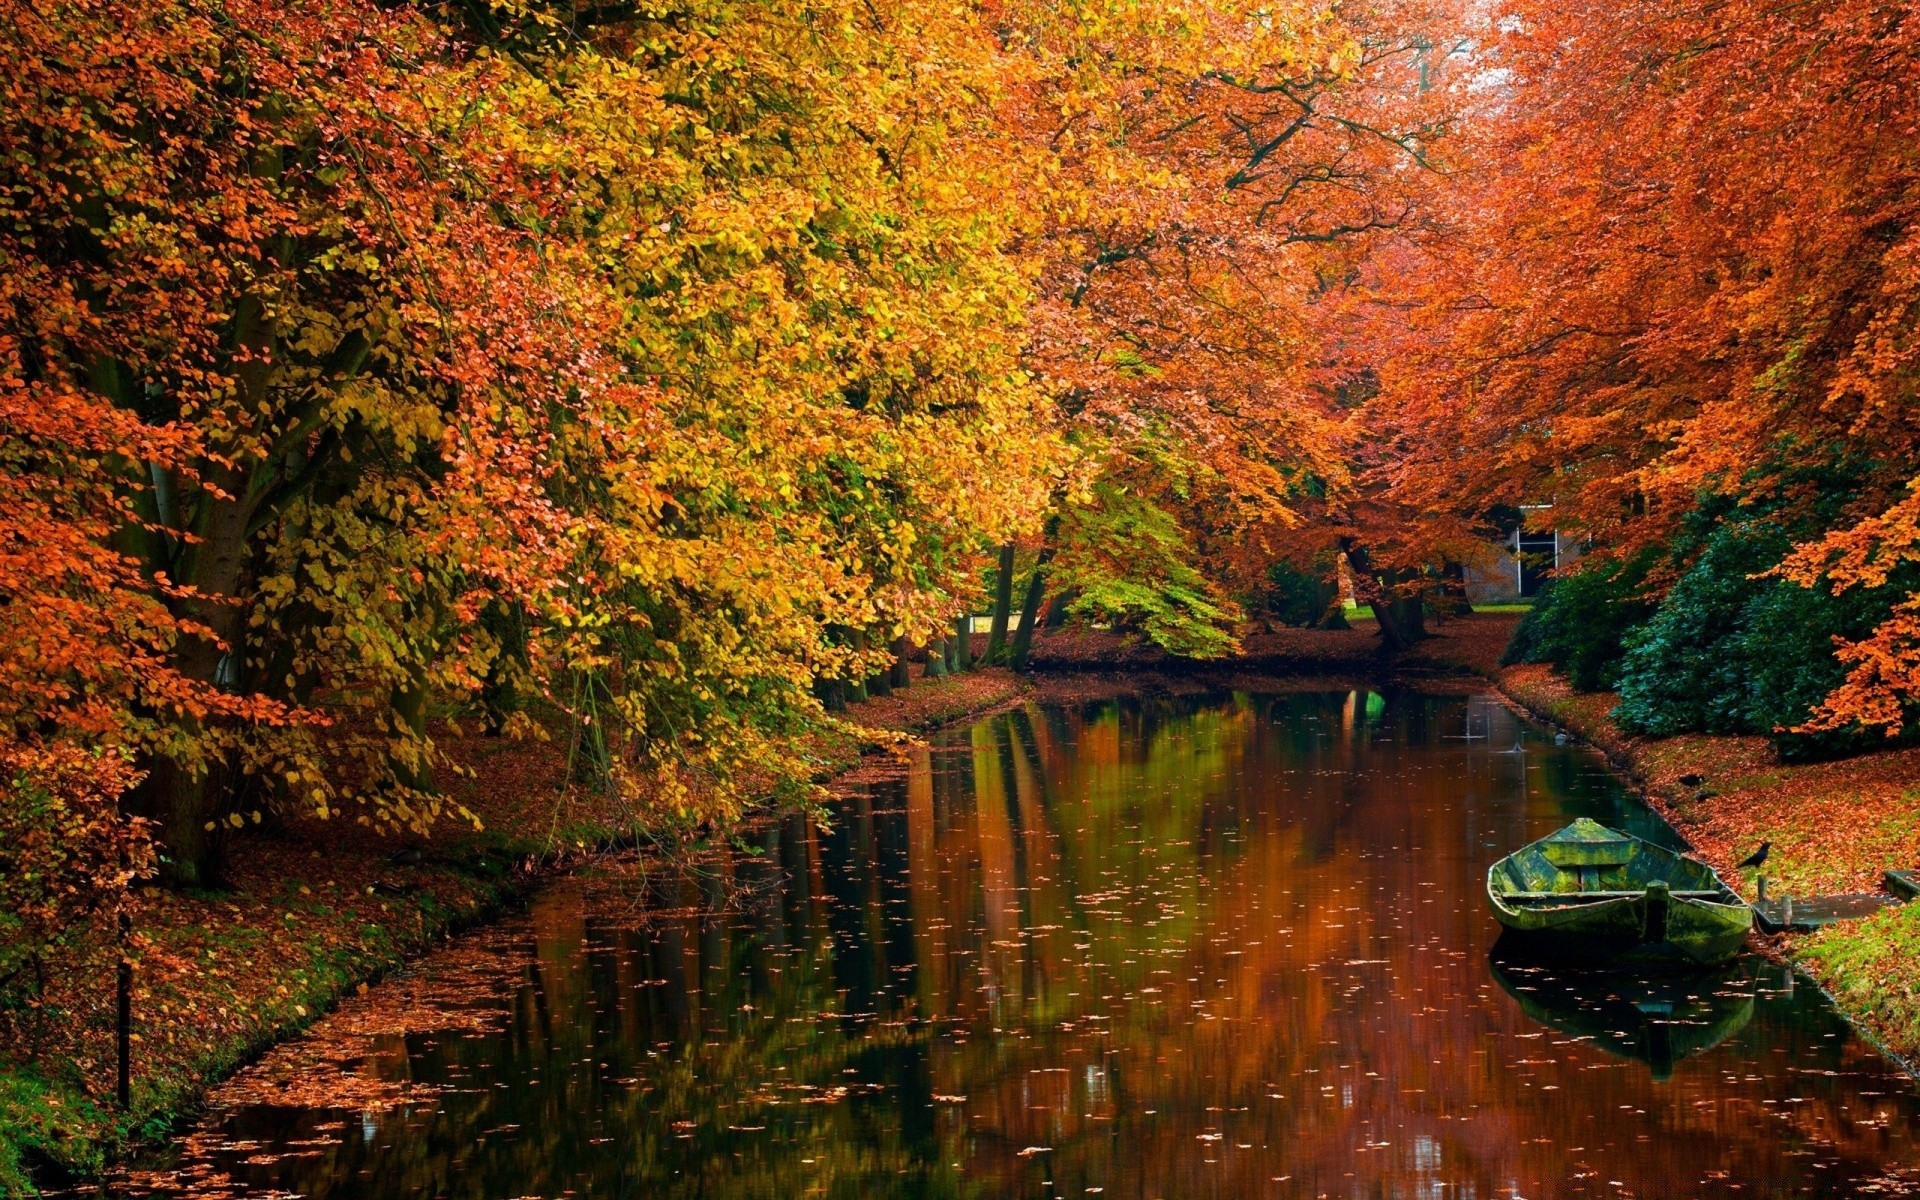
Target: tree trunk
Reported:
point(963, 643)
point(407, 759)
point(937, 658)
point(1030, 612)
point(902, 669)
point(1399, 618)
point(499, 693)
point(876, 684)
point(1057, 608)
point(181, 804)
point(181, 797)
point(1452, 600)
point(1409, 610)
point(1376, 590)
point(857, 638)
point(1002, 608)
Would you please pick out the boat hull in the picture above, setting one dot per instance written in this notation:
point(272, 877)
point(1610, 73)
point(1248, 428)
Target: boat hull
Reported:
point(1592, 893)
point(1705, 938)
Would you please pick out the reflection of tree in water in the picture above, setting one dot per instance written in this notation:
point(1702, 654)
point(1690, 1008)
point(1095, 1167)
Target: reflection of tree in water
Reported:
point(1187, 946)
point(691, 1056)
point(1656, 1018)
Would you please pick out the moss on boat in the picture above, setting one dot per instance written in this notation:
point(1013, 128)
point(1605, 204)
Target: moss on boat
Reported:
point(1598, 892)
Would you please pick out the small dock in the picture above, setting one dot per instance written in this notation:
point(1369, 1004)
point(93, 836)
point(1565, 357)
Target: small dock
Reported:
point(1789, 914)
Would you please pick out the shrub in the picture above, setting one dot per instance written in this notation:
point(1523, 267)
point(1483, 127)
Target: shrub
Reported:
point(1685, 667)
point(1308, 599)
point(1579, 620)
point(1733, 650)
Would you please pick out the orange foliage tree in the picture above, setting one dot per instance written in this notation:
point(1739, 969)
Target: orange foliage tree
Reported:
point(1673, 258)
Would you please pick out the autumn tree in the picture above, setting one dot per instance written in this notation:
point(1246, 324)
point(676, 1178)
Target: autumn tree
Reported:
point(365, 362)
point(1673, 266)
point(1199, 169)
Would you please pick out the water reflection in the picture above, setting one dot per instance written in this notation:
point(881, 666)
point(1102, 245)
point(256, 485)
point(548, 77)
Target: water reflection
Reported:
point(1213, 947)
point(1657, 1017)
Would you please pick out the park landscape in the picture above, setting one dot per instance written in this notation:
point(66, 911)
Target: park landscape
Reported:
point(922, 599)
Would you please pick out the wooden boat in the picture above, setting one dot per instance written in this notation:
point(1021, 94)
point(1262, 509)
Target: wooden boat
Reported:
point(1595, 892)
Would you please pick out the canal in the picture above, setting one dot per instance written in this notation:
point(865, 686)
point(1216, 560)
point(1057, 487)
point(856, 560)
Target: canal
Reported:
point(1231, 945)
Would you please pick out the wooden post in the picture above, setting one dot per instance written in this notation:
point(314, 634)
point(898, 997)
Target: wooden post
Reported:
point(1760, 882)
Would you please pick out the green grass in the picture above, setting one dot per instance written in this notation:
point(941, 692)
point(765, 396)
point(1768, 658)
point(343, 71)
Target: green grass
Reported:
point(52, 1122)
point(1869, 966)
point(1364, 612)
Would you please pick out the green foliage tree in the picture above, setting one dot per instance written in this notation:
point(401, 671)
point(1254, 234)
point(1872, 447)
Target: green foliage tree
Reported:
point(1128, 563)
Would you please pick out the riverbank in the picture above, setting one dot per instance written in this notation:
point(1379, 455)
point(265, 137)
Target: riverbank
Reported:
point(1834, 827)
point(1458, 646)
point(316, 910)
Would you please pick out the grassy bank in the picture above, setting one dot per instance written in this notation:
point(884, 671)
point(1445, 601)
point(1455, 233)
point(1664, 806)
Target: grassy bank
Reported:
point(314, 911)
point(1835, 827)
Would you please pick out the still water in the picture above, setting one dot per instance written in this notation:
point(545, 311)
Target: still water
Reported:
point(1228, 946)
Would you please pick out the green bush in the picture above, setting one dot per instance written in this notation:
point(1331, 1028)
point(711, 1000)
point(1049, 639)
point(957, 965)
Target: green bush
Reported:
point(1128, 562)
point(1578, 621)
point(1309, 599)
point(1734, 650)
point(1686, 668)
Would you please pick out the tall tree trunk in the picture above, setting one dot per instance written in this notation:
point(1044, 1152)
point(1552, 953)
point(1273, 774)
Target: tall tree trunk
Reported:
point(857, 688)
point(963, 643)
point(407, 761)
point(1030, 612)
point(868, 685)
point(1453, 599)
point(1409, 609)
point(180, 803)
point(1057, 608)
point(1002, 608)
point(937, 658)
point(499, 693)
point(832, 694)
point(182, 797)
point(1376, 590)
point(902, 669)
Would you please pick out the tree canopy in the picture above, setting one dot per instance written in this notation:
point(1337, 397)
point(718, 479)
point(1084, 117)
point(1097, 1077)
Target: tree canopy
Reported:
point(649, 372)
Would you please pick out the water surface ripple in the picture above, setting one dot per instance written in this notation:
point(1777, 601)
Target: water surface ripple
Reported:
point(1228, 946)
